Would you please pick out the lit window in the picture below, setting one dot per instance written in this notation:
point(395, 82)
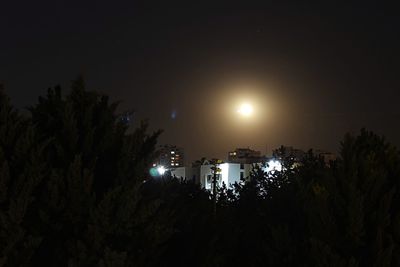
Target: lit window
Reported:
point(172, 152)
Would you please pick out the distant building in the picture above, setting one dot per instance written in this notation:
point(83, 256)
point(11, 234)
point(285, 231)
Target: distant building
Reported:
point(202, 161)
point(285, 152)
point(170, 157)
point(187, 173)
point(241, 163)
point(326, 156)
point(202, 173)
point(179, 172)
point(244, 156)
point(297, 155)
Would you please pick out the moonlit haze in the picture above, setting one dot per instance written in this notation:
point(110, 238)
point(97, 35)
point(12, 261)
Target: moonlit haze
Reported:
point(216, 79)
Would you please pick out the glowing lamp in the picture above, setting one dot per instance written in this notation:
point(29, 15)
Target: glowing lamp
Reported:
point(161, 170)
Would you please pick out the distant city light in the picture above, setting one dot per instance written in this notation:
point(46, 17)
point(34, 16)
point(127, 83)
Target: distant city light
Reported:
point(245, 110)
point(161, 170)
point(157, 171)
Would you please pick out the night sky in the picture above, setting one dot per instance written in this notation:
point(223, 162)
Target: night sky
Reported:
point(312, 72)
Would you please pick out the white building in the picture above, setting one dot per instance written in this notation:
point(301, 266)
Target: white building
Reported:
point(203, 174)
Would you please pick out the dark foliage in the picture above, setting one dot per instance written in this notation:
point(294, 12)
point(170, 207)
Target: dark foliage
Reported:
point(75, 191)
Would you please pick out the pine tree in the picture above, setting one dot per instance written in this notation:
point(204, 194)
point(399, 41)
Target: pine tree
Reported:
point(21, 169)
point(352, 210)
point(90, 156)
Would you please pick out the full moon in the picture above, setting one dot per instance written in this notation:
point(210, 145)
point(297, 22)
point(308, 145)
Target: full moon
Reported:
point(245, 110)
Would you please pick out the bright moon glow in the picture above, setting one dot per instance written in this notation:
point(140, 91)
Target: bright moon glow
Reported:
point(245, 110)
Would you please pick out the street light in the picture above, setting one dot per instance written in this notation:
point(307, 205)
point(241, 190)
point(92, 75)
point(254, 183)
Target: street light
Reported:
point(161, 170)
point(157, 171)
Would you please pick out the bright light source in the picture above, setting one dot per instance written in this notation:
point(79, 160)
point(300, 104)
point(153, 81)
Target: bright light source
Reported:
point(245, 110)
point(161, 170)
point(274, 165)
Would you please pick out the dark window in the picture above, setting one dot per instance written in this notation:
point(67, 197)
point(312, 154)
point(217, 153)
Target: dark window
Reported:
point(241, 166)
point(241, 175)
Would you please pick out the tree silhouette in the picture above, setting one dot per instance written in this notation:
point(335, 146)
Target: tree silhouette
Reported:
point(21, 170)
point(93, 165)
point(75, 191)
